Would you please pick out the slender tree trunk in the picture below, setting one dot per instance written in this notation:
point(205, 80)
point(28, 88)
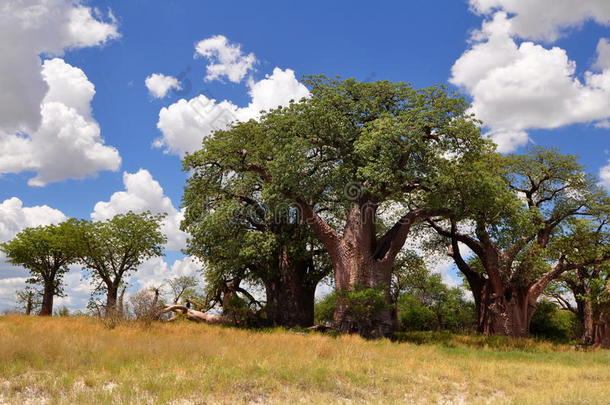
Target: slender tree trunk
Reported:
point(48, 294)
point(601, 335)
point(586, 317)
point(112, 299)
point(28, 306)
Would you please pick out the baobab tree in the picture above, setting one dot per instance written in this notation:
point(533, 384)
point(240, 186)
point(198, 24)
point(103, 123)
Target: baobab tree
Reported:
point(245, 238)
point(46, 252)
point(515, 230)
point(114, 248)
point(342, 154)
point(589, 284)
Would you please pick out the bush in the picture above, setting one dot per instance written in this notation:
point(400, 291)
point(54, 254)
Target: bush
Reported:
point(550, 322)
point(324, 309)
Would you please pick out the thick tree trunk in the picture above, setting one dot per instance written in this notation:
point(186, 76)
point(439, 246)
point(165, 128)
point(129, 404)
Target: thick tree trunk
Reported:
point(361, 261)
point(48, 294)
point(507, 314)
point(376, 320)
point(290, 295)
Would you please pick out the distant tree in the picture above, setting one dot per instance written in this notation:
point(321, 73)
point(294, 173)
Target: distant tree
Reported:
point(182, 287)
point(46, 251)
point(514, 213)
point(29, 300)
point(113, 249)
point(424, 302)
point(340, 155)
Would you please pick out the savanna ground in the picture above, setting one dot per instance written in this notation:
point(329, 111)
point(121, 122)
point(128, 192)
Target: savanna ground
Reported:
point(79, 360)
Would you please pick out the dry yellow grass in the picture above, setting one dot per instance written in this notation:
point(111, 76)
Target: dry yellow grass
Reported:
point(78, 360)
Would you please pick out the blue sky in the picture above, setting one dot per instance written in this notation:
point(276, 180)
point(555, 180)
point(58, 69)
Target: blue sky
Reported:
point(121, 43)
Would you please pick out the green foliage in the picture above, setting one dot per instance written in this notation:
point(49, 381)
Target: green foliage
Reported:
point(325, 309)
point(549, 322)
point(113, 248)
point(46, 251)
point(360, 302)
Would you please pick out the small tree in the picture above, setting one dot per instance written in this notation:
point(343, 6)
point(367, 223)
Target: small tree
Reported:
point(46, 251)
point(112, 249)
point(29, 300)
point(182, 287)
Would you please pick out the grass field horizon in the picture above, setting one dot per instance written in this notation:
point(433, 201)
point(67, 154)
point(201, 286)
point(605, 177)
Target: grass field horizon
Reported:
point(77, 360)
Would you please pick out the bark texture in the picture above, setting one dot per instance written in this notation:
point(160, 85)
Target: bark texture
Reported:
point(361, 260)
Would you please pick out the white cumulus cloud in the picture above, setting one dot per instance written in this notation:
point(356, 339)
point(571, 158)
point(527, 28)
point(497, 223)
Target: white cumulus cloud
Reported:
point(186, 123)
point(68, 142)
point(520, 86)
point(154, 272)
point(14, 217)
point(159, 84)
point(227, 59)
point(29, 28)
point(546, 19)
point(143, 193)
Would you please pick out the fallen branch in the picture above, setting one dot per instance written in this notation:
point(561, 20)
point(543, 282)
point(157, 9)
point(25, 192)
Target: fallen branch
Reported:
point(193, 315)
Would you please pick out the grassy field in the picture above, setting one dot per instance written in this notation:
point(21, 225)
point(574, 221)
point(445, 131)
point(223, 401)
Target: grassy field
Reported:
point(78, 360)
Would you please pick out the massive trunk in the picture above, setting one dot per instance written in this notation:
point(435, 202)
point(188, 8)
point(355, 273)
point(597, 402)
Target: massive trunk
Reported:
point(362, 266)
point(370, 313)
point(290, 295)
point(48, 294)
point(508, 314)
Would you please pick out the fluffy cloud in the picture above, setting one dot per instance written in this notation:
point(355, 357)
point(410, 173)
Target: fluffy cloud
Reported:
point(516, 87)
point(14, 217)
point(546, 19)
point(143, 193)
point(29, 28)
point(186, 123)
point(155, 271)
point(159, 85)
point(67, 130)
point(227, 59)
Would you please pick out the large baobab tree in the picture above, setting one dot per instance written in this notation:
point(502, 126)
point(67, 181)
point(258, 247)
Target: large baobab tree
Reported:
point(246, 239)
point(46, 251)
point(339, 157)
point(514, 233)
